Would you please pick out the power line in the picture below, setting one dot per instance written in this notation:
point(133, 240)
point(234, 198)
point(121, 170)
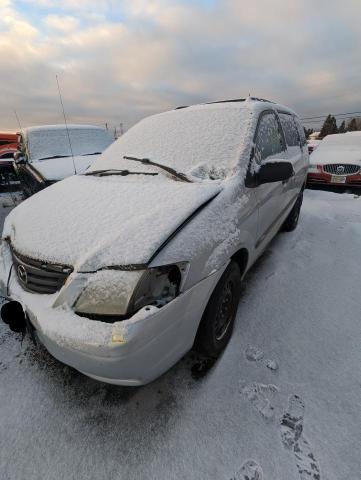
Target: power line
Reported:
point(335, 115)
point(319, 121)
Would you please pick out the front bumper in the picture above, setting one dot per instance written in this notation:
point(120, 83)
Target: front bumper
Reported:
point(323, 178)
point(130, 352)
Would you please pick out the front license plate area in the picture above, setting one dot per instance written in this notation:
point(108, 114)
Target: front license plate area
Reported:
point(338, 179)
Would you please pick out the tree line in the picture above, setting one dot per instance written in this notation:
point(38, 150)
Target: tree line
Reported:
point(330, 127)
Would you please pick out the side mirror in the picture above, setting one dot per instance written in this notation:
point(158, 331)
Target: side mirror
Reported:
point(269, 173)
point(275, 172)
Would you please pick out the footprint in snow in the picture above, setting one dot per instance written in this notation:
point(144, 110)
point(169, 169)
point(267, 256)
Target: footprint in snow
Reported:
point(255, 354)
point(257, 394)
point(293, 439)
point(250, 470)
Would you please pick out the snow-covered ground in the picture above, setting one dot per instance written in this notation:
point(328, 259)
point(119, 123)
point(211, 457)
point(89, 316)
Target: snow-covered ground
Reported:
point(284, 399)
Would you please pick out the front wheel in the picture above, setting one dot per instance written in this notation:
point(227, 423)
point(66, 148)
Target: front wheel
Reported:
point(216, 325)
point(292, 220)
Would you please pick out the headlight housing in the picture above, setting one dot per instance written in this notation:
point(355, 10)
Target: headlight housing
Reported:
point(122, 293)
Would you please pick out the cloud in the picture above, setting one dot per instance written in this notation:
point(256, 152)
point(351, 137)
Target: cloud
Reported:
point(120, 60)
point(62, 23)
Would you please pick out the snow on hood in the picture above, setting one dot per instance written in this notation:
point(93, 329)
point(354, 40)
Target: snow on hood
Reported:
point(339, 148)
point(91, 222)
point(50, 140)
point(60, 168)
point(202, 140)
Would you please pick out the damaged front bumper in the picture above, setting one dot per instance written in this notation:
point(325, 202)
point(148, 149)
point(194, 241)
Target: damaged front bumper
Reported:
point(129, 352)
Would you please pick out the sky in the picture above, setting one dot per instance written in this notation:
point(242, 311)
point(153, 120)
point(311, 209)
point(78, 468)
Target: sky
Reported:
point(119, 61)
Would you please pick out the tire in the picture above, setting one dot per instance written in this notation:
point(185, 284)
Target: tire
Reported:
point(217, 322)
point(291, 221)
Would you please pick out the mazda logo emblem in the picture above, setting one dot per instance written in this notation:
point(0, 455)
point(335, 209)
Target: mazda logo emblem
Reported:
point(340, 169)
point(22, 274)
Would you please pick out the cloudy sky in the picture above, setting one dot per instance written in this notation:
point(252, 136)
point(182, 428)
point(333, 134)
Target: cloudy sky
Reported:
point(120, 60)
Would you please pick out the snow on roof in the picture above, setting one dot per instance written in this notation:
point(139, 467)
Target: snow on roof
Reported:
point(314, 135)
point(62, 126)
point(52, 140)
point(200, 140)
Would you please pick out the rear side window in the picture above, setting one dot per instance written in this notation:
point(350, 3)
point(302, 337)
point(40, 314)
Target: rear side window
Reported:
point(301, 132)
point(269, 140)
point(290, 130)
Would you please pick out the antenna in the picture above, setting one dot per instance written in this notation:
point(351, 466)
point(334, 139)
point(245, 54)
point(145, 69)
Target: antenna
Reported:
point(66, 123)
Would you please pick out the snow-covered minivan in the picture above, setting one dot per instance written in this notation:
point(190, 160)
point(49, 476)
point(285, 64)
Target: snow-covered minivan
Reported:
point(121, 270)
point(50, 153)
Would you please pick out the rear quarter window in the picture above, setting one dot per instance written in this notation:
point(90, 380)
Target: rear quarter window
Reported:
point(301, 132)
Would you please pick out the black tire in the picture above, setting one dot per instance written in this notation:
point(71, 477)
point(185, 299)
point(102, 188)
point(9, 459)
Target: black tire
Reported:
point(291, 221)
point(217, 322)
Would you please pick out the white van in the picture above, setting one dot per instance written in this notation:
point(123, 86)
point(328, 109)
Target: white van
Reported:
point(121, 270)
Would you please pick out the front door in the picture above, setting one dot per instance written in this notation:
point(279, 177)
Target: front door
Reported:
point(269, 146)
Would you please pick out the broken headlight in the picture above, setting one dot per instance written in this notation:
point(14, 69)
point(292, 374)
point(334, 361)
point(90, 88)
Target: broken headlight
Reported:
point(118, 292)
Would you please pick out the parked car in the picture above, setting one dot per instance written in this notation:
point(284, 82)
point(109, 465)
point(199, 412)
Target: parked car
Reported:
point(8, 146)
point(337, 161)
point(7, 139)
point(50, 153)
point(123, 269)
point(312, 145)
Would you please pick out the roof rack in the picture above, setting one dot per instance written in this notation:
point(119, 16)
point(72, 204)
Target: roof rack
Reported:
point(256, 99)
point(233, 100)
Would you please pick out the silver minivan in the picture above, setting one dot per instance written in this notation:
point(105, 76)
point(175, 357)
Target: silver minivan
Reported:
point(123, 269)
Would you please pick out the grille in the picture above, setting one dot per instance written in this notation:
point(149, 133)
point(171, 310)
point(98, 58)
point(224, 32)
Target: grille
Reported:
point(341, 169)
point(40, 277)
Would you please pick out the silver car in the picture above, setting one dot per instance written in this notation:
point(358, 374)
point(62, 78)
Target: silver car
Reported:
point(123, 269)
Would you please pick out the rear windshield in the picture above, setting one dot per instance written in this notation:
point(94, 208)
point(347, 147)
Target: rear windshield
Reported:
point(44, 144)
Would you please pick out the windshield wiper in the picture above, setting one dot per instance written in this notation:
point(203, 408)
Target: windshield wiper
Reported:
point(147, 161)
point(54, 156)
point(95, 153)
point(122, 173)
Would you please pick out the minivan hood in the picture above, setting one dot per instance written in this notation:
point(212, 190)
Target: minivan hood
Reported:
point(60, 168)
point(91, 222)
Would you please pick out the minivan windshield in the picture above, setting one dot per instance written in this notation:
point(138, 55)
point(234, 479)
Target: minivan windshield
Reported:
point(203, 141)
point(54, 143)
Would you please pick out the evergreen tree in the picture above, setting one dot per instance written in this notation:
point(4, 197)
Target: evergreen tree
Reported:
point(329, 127)
point(342, 127)
point(352, 126)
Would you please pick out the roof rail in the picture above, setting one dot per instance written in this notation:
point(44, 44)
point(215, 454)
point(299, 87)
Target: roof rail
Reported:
point(233, 100)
